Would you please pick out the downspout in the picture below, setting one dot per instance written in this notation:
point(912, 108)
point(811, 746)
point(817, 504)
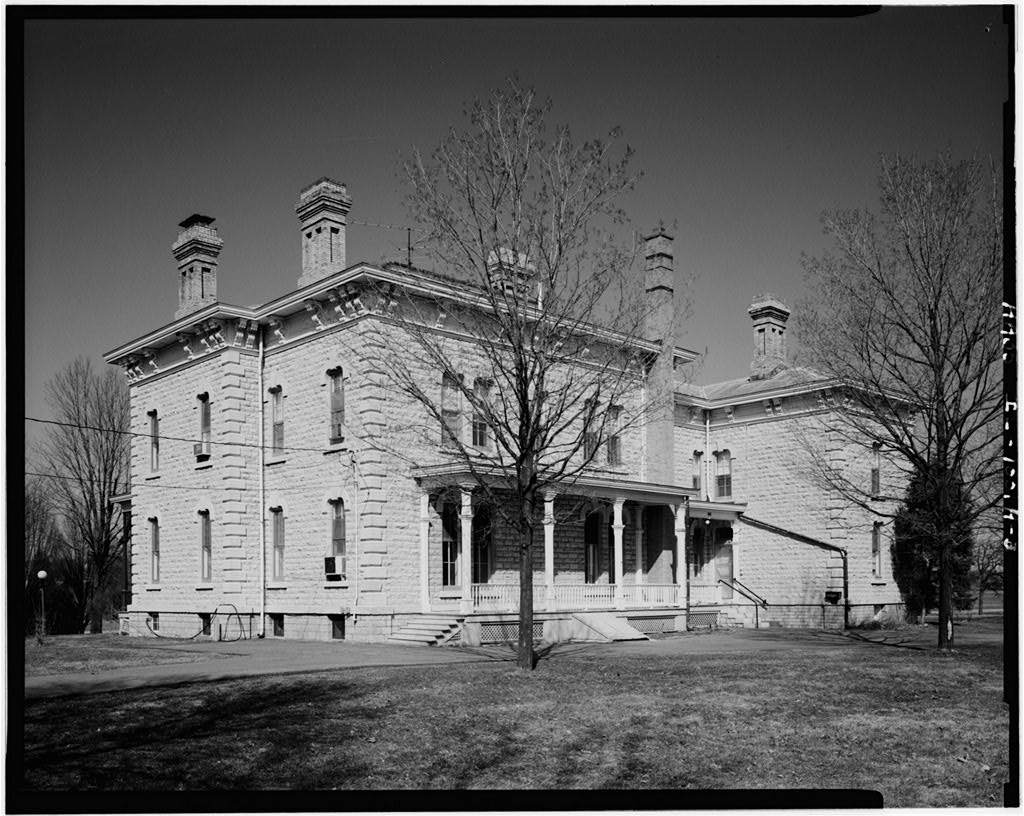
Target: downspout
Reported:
point(764, 525)
point(263, 522)
point(707, 454)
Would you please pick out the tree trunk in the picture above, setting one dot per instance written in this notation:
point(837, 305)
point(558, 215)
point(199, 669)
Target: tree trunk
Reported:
point(981, 600)
point(946, 593)
point(525, 648)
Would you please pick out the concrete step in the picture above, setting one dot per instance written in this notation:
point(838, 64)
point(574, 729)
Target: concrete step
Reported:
point(417, 640)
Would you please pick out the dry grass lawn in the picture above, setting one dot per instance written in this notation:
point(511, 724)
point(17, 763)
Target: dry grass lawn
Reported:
point(925, 729)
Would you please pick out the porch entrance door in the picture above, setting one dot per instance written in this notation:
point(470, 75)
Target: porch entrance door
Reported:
point(591, 533)
point(482, 546)
point(723, 560)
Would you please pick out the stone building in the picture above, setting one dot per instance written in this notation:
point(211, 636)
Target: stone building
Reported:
point(267, 499)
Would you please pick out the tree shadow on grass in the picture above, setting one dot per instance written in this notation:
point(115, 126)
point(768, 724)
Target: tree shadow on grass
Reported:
point(258, 736)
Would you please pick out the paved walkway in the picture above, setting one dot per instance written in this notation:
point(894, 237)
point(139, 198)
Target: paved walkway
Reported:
point(247, 658)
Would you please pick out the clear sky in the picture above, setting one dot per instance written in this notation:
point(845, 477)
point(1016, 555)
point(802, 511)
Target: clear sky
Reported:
point(745, 129)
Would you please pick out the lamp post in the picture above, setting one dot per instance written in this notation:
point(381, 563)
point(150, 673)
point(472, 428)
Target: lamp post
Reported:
point(41, 629)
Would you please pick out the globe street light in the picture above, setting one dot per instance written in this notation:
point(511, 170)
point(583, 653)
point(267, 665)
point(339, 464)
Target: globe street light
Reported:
point(41, 575)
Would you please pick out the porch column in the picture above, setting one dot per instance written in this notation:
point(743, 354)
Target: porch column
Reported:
point(680, 534)
point(466, 550)
point(640, 545)
point(425, 551)
point(617, 527)
point(549, 550)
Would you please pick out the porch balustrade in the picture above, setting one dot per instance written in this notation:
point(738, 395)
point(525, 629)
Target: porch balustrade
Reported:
point(703, 594)
point(646, 595)
point(505, 597)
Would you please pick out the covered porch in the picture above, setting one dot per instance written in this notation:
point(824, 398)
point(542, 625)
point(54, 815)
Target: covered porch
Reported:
point(608, 544)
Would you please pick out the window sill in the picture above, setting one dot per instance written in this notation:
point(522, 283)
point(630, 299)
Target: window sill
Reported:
point(878, 583)
point(335, 584)
point(151, 476)
point(204, 587)
point(204, 465)
point(152, 587)
point(450, 592)
point(277, 585)
point(336, 447)
point(277, 460)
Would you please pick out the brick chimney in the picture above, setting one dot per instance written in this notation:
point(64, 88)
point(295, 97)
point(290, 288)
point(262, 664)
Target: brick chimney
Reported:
point(196, 250)
point(769, 314)
point(322, 209)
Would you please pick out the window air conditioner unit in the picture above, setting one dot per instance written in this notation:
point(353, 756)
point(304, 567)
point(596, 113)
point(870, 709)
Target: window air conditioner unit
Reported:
point(330, 569)
point(197, 449)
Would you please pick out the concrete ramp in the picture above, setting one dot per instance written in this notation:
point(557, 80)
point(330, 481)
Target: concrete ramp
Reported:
point(606, 626)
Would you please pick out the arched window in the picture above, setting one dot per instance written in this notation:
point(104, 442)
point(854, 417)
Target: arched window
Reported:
point(154, 548)
point(205, 547)
point(277, 539)
point(723, 474)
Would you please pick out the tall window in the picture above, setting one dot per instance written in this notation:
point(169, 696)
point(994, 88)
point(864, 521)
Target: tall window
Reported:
point(449, 545)
point(876, 549)
point(154, 441)
point(277, 419)
point(205, 546)
point(482, 395)
point(482, 546)
point(591, 532)
point(611, 551)
point(203, 448)
point(614, 439)
point(876, 470)
point(590, 435)
point(723, 474)
point(277, 537)
point(154, 549)
point(336, 383)
point(338, 545)
point(698, 456)
point(449, 410)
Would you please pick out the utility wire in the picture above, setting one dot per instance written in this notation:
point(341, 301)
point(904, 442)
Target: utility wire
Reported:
point(147, 435)
point(131, 488)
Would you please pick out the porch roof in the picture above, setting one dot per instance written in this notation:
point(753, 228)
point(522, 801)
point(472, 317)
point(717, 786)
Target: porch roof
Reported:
point(452, 473)
point(715, 510)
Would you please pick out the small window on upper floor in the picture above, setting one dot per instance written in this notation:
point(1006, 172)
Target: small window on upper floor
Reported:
point(277, 539)
point(277, 420)
point(723, 475)
point(698, 457)
point(336, 383)
point(154, 441)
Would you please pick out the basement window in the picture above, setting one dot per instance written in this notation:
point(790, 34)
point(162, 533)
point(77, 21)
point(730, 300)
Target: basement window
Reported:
point(277, 621)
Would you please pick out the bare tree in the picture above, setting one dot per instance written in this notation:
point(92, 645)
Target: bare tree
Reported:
point(905, 317)
point(41, 534)
point(87, 459)
point(539, 304)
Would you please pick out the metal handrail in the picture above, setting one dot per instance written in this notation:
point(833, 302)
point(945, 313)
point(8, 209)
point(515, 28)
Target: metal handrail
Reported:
point(745, 591)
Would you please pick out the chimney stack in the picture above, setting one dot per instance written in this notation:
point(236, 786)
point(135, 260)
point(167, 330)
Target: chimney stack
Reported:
point(322, 210)
point(659, 283)
point(769, 314)
point(196, 250)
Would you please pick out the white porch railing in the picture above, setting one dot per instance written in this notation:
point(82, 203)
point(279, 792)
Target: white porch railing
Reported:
point(703, 594)
point(502, 597)
point(645, 595)
point(584, 596)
